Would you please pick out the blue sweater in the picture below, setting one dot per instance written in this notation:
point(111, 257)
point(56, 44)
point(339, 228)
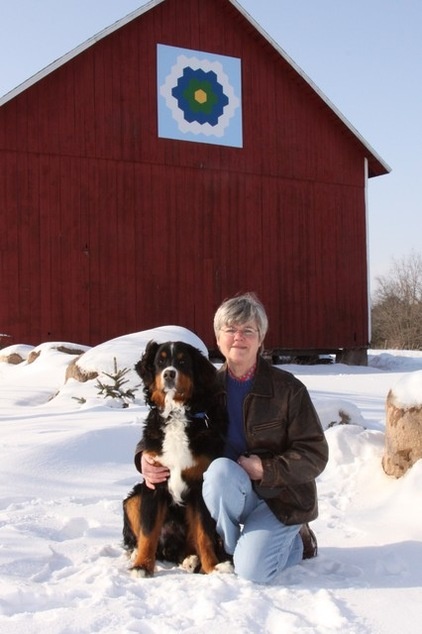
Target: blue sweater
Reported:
point(236, 441)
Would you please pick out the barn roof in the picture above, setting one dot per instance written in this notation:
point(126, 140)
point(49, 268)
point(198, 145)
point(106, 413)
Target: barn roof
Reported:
point(377, 166)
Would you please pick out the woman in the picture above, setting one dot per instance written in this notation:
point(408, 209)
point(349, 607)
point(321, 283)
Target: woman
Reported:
point(262, 493)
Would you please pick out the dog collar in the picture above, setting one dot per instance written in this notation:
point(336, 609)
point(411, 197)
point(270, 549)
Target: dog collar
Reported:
point(201, 415)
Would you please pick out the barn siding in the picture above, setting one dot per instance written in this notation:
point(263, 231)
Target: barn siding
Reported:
point(109, 229)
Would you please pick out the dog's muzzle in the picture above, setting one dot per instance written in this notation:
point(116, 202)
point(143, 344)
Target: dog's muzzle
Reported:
point(169, 378)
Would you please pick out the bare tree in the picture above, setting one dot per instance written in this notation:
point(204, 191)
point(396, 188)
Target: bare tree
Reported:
point(397, 306)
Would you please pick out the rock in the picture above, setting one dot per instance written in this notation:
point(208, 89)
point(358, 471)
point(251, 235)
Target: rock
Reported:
point(403, 432)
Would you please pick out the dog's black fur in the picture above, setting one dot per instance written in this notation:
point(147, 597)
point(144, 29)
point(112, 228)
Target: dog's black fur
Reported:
point(184, 430)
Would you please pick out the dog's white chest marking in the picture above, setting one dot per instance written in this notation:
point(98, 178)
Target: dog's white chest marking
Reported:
point(176, 454)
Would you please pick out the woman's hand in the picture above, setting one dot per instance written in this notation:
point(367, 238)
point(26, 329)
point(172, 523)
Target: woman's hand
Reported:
point(153, 471)
point(252, 465)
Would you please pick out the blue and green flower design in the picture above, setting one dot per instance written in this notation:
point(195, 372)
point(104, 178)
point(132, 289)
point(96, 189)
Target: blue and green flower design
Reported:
point(199, 95)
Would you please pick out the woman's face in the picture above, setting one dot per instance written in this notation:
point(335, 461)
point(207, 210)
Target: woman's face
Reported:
point(239, 344)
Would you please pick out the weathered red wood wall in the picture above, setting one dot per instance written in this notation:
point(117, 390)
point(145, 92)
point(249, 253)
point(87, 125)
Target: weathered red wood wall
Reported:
point(108, 229)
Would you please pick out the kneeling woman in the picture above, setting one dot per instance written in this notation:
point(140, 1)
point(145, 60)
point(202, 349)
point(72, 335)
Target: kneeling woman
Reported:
point(262, 494)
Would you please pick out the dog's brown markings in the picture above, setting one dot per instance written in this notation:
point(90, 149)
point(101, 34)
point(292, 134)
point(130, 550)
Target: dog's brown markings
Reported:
point(196, 472)
point(133, 511)
point(158, 396)
point(199, 542)
point(147, 545)
point(183, 389)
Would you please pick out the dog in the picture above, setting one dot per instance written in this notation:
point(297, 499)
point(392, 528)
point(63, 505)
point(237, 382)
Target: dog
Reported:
point(184, 430)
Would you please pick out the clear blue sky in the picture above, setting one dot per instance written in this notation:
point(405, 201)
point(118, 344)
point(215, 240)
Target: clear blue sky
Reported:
point(364, 55)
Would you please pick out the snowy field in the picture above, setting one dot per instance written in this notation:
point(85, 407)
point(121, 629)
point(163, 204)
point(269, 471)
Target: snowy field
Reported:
point(67, 464)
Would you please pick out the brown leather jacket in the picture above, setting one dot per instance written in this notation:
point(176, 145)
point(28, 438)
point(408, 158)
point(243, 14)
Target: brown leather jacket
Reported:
point(283, 428)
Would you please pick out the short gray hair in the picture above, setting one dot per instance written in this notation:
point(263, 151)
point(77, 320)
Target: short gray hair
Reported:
point(239, 310)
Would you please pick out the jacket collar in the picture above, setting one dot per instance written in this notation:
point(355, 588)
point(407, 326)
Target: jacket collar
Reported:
point(262, 384)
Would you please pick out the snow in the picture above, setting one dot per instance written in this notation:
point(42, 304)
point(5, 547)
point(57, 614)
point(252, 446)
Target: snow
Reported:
point(67, 464)
point(408, 390)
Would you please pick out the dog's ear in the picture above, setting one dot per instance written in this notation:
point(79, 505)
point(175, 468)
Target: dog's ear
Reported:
point(145, 366)
point(205, 371)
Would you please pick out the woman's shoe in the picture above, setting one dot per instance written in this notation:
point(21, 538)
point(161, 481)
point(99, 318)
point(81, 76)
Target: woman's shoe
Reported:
point(310, 544)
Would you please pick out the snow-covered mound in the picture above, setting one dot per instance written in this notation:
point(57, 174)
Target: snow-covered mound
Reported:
point(128, 349)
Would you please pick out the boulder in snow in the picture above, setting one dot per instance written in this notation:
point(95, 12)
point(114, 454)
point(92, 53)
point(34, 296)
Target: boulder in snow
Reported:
point(403, 432)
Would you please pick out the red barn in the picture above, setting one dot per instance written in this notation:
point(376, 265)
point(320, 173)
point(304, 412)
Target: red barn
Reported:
point(175, 159)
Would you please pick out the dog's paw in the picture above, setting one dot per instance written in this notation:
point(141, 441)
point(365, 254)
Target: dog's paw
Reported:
point(225, 566)
point(140, 573)
point(133, 555)
point(190, 563)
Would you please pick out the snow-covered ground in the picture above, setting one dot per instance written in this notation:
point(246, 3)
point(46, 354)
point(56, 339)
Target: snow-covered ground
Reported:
point(67, 463)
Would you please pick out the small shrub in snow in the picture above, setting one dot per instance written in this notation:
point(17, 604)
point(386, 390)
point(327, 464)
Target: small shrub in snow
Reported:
point(116, 390)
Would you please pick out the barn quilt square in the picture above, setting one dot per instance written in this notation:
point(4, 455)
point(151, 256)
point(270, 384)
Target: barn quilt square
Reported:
point(199, 96)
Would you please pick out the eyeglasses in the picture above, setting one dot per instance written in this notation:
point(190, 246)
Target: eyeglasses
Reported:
point(248, 333)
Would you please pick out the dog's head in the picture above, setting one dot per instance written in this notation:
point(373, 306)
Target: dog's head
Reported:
point(177, 369)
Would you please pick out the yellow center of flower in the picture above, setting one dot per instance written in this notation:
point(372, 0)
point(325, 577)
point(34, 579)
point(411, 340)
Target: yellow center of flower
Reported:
point(200, 96)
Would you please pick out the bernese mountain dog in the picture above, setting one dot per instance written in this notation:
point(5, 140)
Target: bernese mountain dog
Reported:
point(185, 430)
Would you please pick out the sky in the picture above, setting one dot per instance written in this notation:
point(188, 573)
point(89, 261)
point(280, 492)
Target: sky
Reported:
point(67, 464)
point(365, 56)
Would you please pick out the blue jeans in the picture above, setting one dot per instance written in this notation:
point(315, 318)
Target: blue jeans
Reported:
point(261, 545)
